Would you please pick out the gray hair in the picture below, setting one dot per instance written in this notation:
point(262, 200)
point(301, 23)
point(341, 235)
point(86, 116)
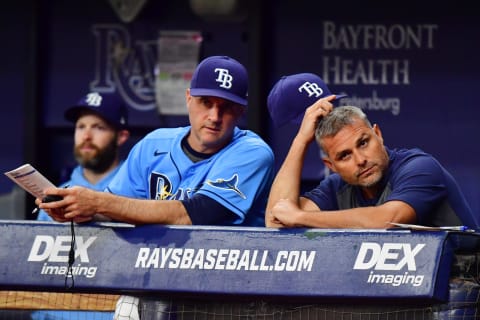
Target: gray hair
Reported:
point(338, 118)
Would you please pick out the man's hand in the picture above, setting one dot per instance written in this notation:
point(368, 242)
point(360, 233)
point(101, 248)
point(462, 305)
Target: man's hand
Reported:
point(77, 204)
point(271, 221)
point(313, 114)
point(284, 213)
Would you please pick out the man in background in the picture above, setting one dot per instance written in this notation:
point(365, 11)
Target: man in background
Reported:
point(101, 121)
point(100, 130)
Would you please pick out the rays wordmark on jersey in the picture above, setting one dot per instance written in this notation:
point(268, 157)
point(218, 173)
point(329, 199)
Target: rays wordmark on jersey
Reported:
point(161, 187)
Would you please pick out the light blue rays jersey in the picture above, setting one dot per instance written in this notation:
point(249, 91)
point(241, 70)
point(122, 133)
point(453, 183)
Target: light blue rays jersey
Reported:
point(78, 179)
point(238, 177)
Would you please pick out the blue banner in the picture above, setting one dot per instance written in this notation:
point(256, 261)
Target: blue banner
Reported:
point(225, 260)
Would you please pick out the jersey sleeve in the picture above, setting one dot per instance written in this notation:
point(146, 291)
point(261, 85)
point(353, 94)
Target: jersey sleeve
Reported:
point(240, 178)
point(203, 210)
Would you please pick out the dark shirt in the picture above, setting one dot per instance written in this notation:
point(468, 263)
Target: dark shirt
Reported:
point(413, 177)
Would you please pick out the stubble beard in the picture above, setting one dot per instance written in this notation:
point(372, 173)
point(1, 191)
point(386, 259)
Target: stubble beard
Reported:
point(375, 178)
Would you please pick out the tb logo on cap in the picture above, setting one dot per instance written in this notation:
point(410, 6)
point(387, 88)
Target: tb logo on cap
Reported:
point(311, 89)
point(224, 78)
point(94, 99)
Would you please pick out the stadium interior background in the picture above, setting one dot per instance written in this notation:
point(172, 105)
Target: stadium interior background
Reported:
point(413, 67)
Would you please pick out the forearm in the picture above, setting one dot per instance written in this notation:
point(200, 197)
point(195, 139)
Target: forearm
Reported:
point(341, 219)
point(286, 184)
point(377, 217)
point(139, 211)
point(82, 204)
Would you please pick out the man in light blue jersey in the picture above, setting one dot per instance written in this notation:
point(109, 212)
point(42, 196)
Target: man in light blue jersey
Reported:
point(208, 173)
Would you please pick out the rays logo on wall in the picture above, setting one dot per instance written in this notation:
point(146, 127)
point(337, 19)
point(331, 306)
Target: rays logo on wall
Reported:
point(124, 67)
point(129, 65)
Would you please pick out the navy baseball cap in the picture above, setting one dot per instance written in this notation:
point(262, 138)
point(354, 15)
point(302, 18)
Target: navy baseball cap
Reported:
point(293, 94)
point(108, 106)
point(222, 77)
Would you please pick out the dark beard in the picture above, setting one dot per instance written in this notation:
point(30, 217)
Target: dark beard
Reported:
point(103, 159)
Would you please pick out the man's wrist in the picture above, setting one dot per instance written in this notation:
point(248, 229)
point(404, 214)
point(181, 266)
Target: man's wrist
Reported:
point(301, 141)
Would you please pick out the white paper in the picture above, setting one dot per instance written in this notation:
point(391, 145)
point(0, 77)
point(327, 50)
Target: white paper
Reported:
point(29, 179)
point(420, 227)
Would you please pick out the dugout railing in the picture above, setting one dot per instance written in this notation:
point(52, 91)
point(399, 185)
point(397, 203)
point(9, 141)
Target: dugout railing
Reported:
point(243, 273)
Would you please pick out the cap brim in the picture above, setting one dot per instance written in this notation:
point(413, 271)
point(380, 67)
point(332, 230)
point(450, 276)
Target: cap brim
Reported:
point(340, 96)
point(299, 118)
point(197, 92)
point(73, 113)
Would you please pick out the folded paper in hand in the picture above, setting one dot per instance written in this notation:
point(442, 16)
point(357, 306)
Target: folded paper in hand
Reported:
point(32, 181)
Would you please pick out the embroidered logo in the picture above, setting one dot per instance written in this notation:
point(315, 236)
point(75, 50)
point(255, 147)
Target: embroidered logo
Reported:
point(94, 99)
point(160, 187)
point(311, 89)
point(230, 184)
point(224, 78)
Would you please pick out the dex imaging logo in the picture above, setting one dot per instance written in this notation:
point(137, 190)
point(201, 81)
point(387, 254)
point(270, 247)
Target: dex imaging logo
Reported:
point(388, 257)
point(53, 252)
